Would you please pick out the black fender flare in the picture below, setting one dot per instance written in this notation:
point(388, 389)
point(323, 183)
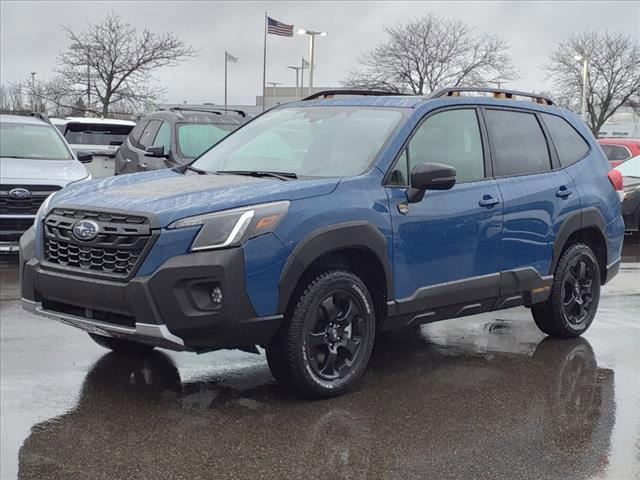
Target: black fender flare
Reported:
point(584, 218)
point(339, 236)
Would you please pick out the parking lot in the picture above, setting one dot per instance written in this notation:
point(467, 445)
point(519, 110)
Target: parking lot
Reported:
point(486, 394)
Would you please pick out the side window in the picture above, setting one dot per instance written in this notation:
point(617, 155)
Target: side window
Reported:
point(453, 138)
point(163, 137)
point(615, 152)
point(148, 134)
point(518, 143)
point(570, 146)
point(134, 136)
point(400, 174)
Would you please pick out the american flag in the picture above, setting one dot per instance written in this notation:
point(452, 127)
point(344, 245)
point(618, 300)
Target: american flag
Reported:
point(275, 27)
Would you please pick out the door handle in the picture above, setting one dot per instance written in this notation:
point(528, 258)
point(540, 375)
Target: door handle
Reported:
point(563, 192)
point(488, 201)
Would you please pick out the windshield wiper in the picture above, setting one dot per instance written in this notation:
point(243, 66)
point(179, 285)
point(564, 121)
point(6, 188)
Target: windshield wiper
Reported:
point(197, 170)
point(261, 173)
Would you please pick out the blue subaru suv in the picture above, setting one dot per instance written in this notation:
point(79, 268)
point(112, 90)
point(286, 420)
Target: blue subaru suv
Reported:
point(323, 222)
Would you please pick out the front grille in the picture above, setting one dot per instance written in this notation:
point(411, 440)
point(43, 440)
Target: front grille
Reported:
point(117, 250)
point(24, 206)
point(12, 228)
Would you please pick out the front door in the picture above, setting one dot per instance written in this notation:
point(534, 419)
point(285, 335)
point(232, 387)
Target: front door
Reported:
point(447, 245)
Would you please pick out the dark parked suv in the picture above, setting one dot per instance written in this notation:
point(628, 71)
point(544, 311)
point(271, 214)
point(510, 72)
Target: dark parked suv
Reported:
point(174, 137)
point(323, 222)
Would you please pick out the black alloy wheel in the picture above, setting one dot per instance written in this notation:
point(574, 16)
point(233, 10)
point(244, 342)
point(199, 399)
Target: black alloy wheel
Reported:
point(335, 337)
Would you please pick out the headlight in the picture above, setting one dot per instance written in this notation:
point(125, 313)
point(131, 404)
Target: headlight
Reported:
point(44, 208)
point(230, 228)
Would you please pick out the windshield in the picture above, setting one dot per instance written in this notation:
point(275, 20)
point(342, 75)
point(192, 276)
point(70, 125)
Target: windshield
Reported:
point(196, 138)
point(312, 141)
point(22, 140)
point(630, 168)
point(96, 134)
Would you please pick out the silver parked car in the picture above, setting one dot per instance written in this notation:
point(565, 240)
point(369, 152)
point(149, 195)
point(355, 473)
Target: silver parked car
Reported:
point(35, 161)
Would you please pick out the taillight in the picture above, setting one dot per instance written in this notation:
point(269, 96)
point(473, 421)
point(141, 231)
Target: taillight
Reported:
point(615, 177)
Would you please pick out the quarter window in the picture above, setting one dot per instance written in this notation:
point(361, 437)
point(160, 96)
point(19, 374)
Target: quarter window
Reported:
point(453, 138)
point(518, 143)
point(149, 133)
point(570, 146)
point(163, 137)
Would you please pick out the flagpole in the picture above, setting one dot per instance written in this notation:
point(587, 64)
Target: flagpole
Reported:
point(225, 79)
point(264, 64)
point(301, 77)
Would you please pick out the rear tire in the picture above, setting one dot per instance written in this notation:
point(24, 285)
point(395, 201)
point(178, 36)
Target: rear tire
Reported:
point(119, 345)
point(575, 294)
point(327, 336)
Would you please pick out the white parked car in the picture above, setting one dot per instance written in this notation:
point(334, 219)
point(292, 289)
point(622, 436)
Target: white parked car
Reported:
point(100, 136)
point(35, 162)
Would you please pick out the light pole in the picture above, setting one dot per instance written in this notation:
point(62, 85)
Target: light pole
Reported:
point(33, 90)
point(297, 69)
point(273, 91)
point(312, 36)
point(585, 75)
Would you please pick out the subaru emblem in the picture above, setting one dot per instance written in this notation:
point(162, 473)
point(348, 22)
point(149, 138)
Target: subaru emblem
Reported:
point(85, 230)
point(19, 193)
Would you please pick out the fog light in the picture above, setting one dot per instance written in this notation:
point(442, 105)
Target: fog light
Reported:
point(216, 296)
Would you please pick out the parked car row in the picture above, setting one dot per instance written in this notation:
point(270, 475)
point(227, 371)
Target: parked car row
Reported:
point(41, 155)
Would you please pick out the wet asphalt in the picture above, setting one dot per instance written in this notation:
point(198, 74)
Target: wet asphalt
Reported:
point(482, 397)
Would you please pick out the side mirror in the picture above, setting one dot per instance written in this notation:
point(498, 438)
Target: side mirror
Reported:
point(156, 152)
point(84, 157)
point(430, 176)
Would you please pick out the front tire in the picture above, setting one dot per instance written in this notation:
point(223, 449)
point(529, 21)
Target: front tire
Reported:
point(575, 294)
point(326, 340)
point(119, 345)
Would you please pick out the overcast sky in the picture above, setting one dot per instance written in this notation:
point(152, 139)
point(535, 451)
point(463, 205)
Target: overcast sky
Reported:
point(31, 36)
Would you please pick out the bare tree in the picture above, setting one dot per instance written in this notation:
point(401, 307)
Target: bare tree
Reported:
point(113, 64)
point(431, 52)
point(614, 79)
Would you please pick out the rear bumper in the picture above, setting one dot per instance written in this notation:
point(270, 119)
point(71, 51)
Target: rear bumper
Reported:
point(171, 308)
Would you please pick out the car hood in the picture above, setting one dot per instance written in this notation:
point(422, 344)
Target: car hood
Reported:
point(172, 195)
point(15, 170)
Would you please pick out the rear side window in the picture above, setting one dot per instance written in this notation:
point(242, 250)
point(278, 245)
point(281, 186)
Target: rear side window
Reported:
point(615, 152)
point(517, 142)
point(451, 137)
point(570, 146)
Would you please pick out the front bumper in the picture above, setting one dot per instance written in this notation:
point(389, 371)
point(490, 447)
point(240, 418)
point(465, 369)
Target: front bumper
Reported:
point(170, 308)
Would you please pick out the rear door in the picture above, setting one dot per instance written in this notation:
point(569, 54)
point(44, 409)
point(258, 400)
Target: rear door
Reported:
point(537, 194)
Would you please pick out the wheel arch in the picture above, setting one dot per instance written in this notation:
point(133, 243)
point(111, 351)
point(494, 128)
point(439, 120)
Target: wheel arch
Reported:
point(358, 246)
point(585, 226)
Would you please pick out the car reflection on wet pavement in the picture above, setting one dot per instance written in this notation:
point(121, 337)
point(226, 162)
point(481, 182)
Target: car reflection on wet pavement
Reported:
point(481, 397)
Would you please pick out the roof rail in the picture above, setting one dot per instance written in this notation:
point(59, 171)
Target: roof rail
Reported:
point(41, 115)
point(217, 111)
point(496, 92)
point(331, 93)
